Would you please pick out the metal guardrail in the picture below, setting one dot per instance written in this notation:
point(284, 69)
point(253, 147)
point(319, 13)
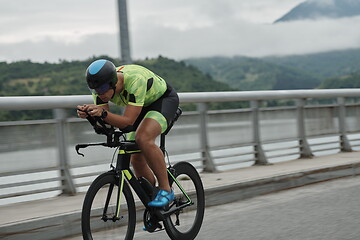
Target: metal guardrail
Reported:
point(52, 102)
point(60, 103)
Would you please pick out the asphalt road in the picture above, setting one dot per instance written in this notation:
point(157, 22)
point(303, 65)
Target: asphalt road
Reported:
point(328, 210)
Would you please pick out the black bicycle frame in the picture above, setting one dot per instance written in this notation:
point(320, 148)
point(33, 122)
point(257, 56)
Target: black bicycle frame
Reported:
point(123, 172)
point(123, 169)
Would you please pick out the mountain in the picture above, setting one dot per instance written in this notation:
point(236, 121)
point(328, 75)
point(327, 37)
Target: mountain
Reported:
point(26, 78)
point(349, 81)
point(324, 65)
point(315, 9)
point(243, 73)
point(182, 77)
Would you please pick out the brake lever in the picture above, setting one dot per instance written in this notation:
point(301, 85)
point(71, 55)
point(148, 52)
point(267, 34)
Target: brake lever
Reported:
point(77, 148)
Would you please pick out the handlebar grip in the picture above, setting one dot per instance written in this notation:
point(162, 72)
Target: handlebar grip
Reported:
point(98, 123)
point(91, 120)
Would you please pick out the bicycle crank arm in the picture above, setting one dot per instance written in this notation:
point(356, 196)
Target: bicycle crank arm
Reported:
point(174, 210)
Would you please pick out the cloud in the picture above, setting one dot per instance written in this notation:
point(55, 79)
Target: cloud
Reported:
point(52, 50)
point(191, 13)
point(24, 20)
point(242, 38)
point(323, 2)
point(225, 38)
point(52, 30)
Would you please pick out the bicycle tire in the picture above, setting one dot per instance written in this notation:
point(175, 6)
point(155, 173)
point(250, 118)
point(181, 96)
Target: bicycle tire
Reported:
point(93, 224)
point(190, 218)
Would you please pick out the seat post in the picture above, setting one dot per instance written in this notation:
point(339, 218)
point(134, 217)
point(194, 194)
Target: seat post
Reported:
point(162, 143)
point(162, 137)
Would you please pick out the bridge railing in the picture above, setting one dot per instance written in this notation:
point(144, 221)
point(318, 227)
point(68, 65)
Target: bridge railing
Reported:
point(212, 140)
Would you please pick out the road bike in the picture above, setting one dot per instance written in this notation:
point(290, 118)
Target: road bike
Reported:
point(110, 210)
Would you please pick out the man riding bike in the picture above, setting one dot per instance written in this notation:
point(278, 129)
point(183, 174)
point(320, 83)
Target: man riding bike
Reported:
point(150, 105)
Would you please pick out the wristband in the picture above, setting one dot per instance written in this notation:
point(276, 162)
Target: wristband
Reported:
point(104, 114)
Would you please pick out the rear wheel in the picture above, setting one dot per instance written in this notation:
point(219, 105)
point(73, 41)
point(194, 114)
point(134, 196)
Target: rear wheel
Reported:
point(99, 220)
point(185, 224)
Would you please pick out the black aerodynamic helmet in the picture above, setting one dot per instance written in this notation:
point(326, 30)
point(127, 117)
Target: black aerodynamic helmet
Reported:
point(101, 73)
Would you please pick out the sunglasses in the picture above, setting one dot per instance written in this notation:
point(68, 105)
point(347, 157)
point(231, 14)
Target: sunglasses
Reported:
point(102, 89)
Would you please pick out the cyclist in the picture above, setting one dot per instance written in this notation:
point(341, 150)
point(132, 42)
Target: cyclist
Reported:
point(150, 104)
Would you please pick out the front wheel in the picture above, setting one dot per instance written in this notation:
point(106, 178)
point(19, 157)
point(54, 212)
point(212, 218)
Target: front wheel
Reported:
point(185, 223)
point(101, 217)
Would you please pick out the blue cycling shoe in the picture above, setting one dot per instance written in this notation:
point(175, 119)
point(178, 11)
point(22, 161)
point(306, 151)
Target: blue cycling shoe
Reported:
point(162, 198)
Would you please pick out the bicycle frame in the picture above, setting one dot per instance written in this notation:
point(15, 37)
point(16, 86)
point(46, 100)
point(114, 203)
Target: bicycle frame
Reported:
point(123, 172)
point(122, 168)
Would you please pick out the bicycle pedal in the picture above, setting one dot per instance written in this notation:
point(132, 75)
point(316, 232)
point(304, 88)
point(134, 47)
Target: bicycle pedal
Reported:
point(159, 228)
point(156, 228)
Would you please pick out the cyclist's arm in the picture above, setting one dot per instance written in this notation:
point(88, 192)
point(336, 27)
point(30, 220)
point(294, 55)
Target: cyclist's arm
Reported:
point(137, 92)
point(121, 121)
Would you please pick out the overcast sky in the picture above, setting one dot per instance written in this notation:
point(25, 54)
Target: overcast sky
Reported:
point(77, 29)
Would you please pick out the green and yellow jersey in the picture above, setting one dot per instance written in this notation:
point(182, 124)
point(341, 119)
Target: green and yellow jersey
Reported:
point(141, 87)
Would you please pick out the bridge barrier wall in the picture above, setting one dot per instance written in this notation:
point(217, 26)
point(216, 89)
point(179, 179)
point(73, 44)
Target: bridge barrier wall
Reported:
point(38, 158)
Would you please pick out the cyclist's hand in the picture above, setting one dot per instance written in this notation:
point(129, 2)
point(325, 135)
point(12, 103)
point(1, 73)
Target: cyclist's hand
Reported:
point(94, 110)
point(81, 111)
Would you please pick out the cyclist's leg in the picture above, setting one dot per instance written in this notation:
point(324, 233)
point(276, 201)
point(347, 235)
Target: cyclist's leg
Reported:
point(146, 134)
point(157, 118)
point(150, 124)
point(138, 160)
point(141, 168)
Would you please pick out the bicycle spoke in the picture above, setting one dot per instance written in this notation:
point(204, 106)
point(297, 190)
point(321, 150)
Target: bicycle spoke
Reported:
point(187, 211)
point(102, 217)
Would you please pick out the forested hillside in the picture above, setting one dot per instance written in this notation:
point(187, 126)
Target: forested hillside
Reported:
point(67, 78)
point(339, 69)
point(323, 65)
point(349, 81)
point(245, 73)
point(184, 78)
point(321, 70)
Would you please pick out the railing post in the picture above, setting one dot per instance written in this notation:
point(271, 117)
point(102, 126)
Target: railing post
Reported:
point(208, 163)
point(305, 151)
point(260, 158)
point(66, 182)
point(344, 141)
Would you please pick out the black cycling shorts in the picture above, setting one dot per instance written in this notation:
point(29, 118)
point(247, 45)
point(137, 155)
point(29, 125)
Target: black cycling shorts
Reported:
point(162, 110)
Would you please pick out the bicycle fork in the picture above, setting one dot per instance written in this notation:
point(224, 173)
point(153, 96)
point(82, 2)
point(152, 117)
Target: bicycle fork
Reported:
point(116, 217)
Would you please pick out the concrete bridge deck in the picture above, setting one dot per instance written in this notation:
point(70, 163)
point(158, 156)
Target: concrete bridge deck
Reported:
point(58, 217)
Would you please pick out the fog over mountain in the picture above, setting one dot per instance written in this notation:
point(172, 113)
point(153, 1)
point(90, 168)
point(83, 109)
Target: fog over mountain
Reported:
point(320, 9)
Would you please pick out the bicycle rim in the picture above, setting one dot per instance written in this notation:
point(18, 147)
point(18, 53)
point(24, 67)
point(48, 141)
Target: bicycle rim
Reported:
point(186, 223)
point(105, 225)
